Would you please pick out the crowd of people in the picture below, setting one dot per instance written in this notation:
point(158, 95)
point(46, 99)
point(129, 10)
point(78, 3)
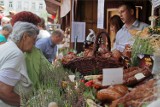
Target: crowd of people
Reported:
point(24, 40)
point(18, 38)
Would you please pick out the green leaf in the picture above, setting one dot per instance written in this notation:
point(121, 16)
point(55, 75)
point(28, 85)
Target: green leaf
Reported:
point(120, 105)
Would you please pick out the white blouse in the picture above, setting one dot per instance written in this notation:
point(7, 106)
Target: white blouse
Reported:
point(13, 68)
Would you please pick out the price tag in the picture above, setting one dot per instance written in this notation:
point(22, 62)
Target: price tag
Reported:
point(139, 76)
point(71, 77)
point(112, 76)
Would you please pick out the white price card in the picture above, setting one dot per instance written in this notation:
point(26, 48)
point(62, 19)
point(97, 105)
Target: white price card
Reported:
point(139, 76)
point(112, 76)
point(78, 31)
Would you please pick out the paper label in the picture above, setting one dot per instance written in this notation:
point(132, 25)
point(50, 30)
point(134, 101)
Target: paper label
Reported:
point(139, 76)
point(112, 76)
point(71, 77)
point(78, 31)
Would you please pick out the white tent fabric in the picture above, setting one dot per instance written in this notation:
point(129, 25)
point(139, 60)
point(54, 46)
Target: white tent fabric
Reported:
point(65, 7)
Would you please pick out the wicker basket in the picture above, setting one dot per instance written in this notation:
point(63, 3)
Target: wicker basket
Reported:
point(106, 63)
point(86, 65)
point(82, 64)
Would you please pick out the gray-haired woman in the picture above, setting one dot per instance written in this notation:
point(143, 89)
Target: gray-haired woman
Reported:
point(13, 73)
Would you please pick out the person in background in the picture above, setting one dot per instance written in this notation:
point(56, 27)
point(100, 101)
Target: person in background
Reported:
point(127, 13)
point(26, 16)
point(66, 39)
point(12, 13)
point(1, 13)
point(43, 32)
point(115, 25)
point(4, 20)
point(14, 79)
point(49, 45)
point(2, 39)
point(1, 16)
point(6, 31)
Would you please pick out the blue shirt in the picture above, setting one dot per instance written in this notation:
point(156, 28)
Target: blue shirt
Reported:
point(47, 47)
point(2, 38)
point(123, 36)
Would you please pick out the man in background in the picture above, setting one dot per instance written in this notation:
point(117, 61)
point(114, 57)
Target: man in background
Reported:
point(43, 33)
point(127, 13)
point(49, 45)
point(4, 21)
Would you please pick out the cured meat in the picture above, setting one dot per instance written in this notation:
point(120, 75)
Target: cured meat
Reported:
point(138, 96)
point(112, 93)
point(133, 75)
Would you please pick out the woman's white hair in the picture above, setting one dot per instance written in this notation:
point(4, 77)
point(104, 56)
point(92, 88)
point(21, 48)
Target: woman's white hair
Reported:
point(20, 28)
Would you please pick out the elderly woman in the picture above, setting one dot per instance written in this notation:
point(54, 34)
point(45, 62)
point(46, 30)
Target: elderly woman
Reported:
point(13, 73)
point(32, 58)
point(37, 64)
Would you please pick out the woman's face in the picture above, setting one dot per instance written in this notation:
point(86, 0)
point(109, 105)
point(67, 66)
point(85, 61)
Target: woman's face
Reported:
point(6, 33)
point(112, 28)
point(27, 42)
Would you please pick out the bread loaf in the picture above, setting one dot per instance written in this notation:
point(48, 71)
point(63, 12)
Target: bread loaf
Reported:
point(138, 96)
point(112, 93)
point(108, 94)
point(121, 89)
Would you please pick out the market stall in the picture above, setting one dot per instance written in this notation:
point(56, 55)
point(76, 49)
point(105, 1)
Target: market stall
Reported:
point(99, 77)
point(79, 78)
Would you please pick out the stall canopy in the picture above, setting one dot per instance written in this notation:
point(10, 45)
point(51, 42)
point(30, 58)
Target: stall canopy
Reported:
point(52, 6)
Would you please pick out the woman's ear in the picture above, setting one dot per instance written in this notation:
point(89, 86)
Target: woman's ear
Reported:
point(24, 36)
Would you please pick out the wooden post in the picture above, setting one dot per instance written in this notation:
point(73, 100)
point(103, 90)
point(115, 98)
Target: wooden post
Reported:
point(152, 15)
point(71, 44)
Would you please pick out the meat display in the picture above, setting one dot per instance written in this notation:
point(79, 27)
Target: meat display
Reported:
point(112, 93)
point(138, 96)
point(133, 75)
point(70, 56)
